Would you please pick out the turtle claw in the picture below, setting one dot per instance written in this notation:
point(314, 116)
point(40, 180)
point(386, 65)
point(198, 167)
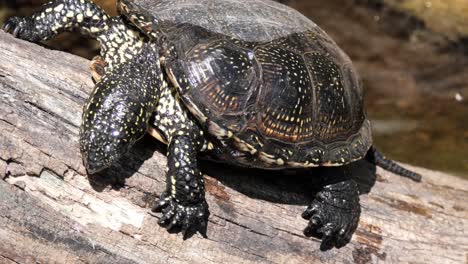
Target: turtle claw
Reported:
point(310, 211)
point(12, 23)
point(6, 26)
point(16, 31)
point(185, 218)
point(333, 226)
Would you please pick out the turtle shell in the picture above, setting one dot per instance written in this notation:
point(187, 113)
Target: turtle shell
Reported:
point(251, 20)
point(265, 81)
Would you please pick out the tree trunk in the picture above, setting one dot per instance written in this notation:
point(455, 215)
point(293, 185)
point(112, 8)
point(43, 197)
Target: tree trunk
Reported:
point(52, 211)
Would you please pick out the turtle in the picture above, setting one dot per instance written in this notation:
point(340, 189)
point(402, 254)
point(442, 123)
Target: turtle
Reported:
point(249, 83)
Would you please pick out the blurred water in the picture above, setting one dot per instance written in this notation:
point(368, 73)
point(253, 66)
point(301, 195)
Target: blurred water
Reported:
point(415, 78)
point(413, 70)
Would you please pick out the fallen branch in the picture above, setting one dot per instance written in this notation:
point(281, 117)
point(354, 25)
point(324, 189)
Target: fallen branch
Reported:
point(50, 210)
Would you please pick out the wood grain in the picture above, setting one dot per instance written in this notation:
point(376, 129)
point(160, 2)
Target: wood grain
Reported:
point(51, 211)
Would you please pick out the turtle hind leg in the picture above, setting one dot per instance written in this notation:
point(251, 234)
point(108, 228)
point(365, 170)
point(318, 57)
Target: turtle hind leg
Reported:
point(59, 16)
point(334, 214)
point(380, 160)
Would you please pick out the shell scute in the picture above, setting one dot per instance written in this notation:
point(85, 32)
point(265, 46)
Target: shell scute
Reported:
point(333, 107)
point(269, 84)
point(286, 101)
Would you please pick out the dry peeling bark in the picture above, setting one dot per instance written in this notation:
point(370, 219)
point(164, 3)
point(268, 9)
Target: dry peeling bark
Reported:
point(51, 211)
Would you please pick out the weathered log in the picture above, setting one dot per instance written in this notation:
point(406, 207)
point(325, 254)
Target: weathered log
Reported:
point(52, 211)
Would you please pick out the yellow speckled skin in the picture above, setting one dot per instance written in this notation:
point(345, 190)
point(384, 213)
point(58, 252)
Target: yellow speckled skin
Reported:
point(118, 110)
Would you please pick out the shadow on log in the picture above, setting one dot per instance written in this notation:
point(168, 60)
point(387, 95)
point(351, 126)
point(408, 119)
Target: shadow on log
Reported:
point(50, 211)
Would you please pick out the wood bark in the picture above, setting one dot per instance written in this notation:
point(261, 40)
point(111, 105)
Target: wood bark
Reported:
point(51, 211)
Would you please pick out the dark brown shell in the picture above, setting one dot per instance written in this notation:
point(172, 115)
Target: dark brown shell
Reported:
point(247, 20)
point(282, 95)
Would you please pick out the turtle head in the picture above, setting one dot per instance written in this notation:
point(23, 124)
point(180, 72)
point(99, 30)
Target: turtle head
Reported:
point(114, 118)
point(101, 147)
point(112, 123)
point(118, 110)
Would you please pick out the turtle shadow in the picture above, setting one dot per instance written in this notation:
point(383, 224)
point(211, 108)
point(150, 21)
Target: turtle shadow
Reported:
point(293, 186)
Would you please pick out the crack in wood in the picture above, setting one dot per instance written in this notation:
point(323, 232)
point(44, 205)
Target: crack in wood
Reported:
point(49, 112)
point(7, 258)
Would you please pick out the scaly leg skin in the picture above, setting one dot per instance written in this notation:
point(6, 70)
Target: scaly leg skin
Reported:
point(59, 16)
point(334, 214)
point(128, 76)
point(183, 204)
point(118, 42)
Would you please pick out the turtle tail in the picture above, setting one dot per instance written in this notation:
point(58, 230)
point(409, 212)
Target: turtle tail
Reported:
point(380, 160)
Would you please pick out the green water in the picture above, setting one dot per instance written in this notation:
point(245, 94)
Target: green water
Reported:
point(432, 133)
point(415, 80)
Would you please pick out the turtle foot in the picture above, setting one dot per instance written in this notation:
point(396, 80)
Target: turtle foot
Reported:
point(21, 27)
point(186, 218)
point(333, 216)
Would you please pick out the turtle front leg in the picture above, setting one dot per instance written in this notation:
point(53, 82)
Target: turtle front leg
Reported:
point(59, 16)
point(118, 42)
point(334, 214)
point(183, 203)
